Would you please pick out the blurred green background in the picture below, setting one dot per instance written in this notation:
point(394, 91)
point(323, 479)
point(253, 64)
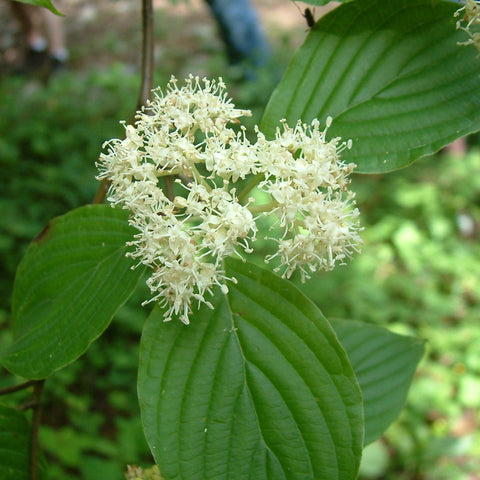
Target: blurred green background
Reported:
point(418, 273)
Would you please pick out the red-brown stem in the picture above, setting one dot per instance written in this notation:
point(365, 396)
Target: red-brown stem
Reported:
point(36, 420)
point(148, 47)
point(146, 83)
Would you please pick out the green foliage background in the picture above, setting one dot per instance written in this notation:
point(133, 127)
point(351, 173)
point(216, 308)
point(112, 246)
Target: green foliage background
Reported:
point(422, 275)
point(422, 281)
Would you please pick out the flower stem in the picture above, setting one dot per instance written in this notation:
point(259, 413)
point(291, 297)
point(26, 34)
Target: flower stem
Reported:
point(198, 177)
point(252, 183)
point(146, 84)
point(169, 187)
point(16, 388)
point(36, 420)
point(266, 207)
point(101, 192)
point(148, 45)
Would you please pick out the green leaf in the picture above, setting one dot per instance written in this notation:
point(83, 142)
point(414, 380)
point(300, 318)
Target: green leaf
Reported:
point(71, 281)
point(42, 3)
point(323, 2)
point(15, 446)
point(384, 363)
point(390, 74)
point(257, 388)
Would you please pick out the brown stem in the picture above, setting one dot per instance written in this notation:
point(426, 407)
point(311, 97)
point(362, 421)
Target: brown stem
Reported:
point(169, 187)
point(148, 46)
point(16, 388)
point(146, 84)
point(101, 192)
point(36, 420)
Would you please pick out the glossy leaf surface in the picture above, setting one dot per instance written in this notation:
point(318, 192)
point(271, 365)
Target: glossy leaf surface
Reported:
point(258, 387)
point(392, 76)
point(71, 281)
point(385, 364)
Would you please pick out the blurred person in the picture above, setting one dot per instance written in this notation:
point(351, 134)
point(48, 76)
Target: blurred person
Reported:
point(458, 147)
point(241, 33)
point(44, 37)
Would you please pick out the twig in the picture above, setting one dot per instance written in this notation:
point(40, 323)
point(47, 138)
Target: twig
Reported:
point(101, 192)
point(16, 388)
point(36, 420)
point(27, 405)
point(146, 84)
point(148, 46)
point(169, 187)
point(144, 94)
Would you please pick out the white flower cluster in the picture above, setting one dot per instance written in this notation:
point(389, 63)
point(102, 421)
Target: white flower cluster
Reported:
point(138, 473)
point(185, 231)
point(308, 183)
point(470, 18)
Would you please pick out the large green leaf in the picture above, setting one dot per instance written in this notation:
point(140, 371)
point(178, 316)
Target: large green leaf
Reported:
point(41, 3)
point(15, 434)
point(384, 363)
point(71, 281)
point(391, 75)
point(323, 2)
point(257, 388)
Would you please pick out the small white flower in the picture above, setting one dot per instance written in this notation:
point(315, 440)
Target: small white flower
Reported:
point(230, 156)
point(314, 208)
point(183, 240)
point(471, 18)
point(185, 236)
